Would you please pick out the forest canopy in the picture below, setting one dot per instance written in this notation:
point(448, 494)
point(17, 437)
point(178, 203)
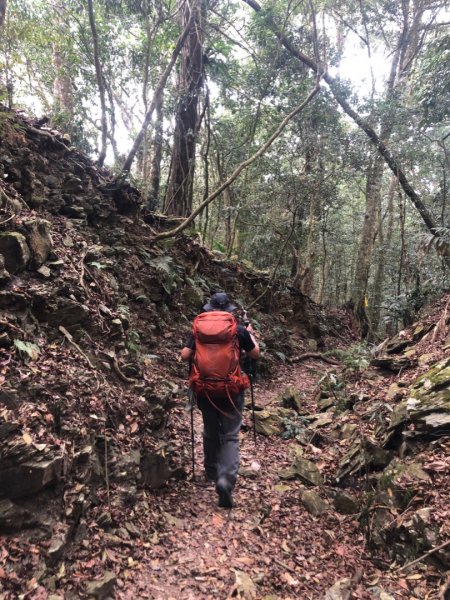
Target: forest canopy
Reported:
point(308, 138)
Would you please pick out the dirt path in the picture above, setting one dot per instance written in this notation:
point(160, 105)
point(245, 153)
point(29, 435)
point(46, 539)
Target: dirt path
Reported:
point(268, 546)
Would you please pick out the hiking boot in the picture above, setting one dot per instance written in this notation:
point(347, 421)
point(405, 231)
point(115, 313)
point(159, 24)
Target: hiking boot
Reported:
point(224, 491)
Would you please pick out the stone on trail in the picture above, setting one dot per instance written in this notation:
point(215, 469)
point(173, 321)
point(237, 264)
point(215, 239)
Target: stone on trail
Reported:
point(13, 517)
point(155, 470)
point(325, 403)
point(306, 470)
point(103, 587)
point(39, 241)
point(251, 472)
point(402, 474)
point(364, 455)
point(15, 251)
point(341, 590)
point(322, 420)
point(26, 468)
point(313, 502)
point(291, 398)
point(427, 407)
point(426, 359)
point(4, 275)
point(345, 503)
point(26, 479)
point(348, 430)
point(244, 586)
point(271, 421)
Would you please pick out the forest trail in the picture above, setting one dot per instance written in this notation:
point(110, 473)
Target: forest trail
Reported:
point(268, 546)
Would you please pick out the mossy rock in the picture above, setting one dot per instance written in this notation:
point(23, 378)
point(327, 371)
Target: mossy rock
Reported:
point(307, 471)
point(345, 503)
point(271, 421)
point(291, 398)
point(15, 251)
point(428, 404)
point(313, 503)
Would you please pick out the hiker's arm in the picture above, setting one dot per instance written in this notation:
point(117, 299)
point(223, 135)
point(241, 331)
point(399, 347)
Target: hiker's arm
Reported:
point(186, 354)
point(254, 352)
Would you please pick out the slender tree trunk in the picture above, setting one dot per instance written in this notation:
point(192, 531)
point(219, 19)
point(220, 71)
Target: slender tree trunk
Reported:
point(307, 278)
point(384, 246)
point(180, 188)
point(205, 156)
point(3, 5)
point(100, 83)
point(157, 151)
point(323, 270)
point(62, 86)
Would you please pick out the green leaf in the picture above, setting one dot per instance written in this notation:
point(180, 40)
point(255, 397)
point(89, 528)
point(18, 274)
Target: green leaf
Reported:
point(28, 348)
point(97, 265)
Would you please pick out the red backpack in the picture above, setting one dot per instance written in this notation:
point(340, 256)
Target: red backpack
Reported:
point(215, 370)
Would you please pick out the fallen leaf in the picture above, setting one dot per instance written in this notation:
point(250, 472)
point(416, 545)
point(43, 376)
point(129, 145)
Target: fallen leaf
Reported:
point(27, 438)
point(289, 579)
point(217, 520)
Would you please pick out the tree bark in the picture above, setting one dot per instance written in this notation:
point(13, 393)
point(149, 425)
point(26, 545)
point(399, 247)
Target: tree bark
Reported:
point(384, 246)
point(157, 150)
point(100, 84)
point(180, 189)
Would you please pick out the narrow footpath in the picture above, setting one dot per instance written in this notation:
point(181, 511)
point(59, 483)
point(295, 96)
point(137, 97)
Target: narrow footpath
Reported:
point(269, 546)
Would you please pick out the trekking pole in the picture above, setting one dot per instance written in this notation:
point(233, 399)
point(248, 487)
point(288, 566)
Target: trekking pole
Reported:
point(192, 438)
point(250, 373)
point(253, 400)
point(190, 406)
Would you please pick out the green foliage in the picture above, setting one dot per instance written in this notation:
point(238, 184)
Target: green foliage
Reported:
point(166, 268)
point(219, 246)
point(406, 306)
point(295, 428)
point(355, 358)
point(133, 342)
point(28, 349)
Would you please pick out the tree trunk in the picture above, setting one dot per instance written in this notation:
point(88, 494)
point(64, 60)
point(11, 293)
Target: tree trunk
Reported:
point(157, 150)
point(406, 48)
point(364, 257)
point(100, 84)
point(180, 189)
point(384, 246)
point(3, 4)
point(62, 85)
point(241, 167)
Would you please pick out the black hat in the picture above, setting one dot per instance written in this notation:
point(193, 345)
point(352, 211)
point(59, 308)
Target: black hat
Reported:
point(219, 301)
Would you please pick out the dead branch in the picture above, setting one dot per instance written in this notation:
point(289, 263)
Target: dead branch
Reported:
point(318, 355)
point(69, 338)
point(426, 555)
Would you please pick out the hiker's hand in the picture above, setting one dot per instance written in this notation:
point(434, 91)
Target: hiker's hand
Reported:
point(250, 329)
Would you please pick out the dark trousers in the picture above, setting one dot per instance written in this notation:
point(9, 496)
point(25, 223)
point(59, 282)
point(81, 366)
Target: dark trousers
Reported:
point(221, 437)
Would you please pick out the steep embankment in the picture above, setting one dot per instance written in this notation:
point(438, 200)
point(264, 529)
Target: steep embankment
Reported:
point(92, 317)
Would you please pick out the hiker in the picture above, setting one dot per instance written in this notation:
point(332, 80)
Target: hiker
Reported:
point(220, 399)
